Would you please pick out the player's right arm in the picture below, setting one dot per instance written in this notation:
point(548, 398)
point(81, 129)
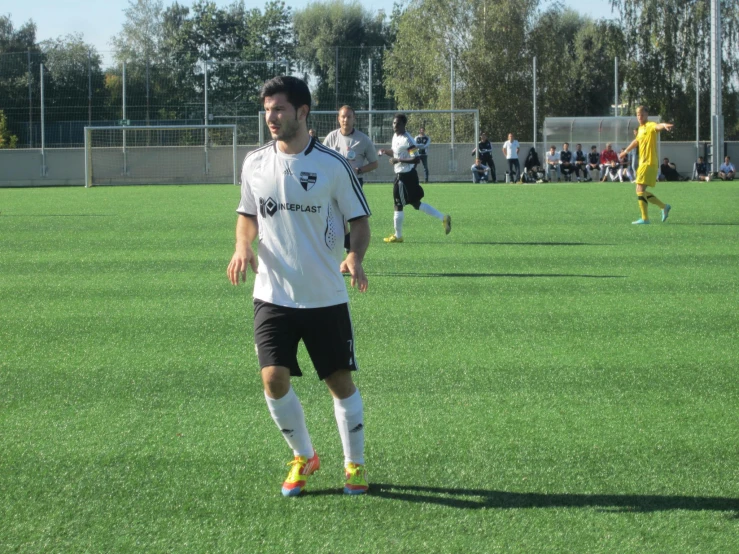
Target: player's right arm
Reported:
point(629, 148)
point(247, 229)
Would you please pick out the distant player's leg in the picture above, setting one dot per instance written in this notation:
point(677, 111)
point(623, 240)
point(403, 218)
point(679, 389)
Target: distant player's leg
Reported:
point(643, 206)
point(399, 200)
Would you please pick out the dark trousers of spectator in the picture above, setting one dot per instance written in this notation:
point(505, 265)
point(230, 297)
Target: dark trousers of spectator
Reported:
point(425, 162)
point(514, 169)
point(487, 159)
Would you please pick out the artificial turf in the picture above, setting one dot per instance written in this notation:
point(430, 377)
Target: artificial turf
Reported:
point(546, 378)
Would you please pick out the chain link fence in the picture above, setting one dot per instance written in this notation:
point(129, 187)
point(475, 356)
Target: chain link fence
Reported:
point(48, 98)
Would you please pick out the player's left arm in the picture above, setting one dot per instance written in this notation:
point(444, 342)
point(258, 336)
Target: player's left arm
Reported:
point(359, 242)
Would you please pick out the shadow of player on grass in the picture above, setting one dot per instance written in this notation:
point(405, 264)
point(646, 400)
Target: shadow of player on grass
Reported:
point(475, 499)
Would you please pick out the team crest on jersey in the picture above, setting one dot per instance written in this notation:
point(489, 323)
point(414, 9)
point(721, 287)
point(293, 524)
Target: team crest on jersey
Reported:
point(307, 180)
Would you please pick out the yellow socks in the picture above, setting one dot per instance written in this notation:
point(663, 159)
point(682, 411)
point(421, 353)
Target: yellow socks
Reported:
point(643, 207)
point(652, 199)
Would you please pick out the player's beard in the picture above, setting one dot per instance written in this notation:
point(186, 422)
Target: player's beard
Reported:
point(288, 130)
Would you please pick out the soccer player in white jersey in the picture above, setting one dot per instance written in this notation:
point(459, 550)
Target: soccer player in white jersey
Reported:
point(406, 189)
point(355, 146)
point(295, 196)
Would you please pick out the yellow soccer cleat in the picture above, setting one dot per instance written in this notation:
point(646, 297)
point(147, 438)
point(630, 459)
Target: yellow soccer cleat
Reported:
point(393, 238)
point(447, 224)
point(356, 479)
point(301, 469)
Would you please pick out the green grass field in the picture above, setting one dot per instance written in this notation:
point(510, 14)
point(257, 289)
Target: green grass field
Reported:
point(547, 378)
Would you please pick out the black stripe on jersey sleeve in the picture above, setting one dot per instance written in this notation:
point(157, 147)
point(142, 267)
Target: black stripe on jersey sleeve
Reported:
point(356, 186)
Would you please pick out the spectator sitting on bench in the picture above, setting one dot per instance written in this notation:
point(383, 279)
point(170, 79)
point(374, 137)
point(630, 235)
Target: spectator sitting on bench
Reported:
point(480, 172)
point(669, 170)
point(701, 171)
point(727, 171)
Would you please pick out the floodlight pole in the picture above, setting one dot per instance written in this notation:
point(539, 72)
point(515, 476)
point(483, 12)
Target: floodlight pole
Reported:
point(125, 160)
point(615, 86)
point(452, 158)
point(43, 126)
point(697, 110)
point(534, 140)
point(205, 119)
point(369, 130)
point(717, 117)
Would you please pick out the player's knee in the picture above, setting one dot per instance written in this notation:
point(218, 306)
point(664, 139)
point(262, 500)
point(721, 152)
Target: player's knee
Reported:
point(276, 381)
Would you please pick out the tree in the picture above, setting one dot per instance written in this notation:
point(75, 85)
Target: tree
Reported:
point(667, 40)
point(19, 67)
point(74, 75)
point(7, 139)
point(335, 41)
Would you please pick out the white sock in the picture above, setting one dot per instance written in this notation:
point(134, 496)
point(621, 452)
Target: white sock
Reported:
point(430, 210)
point(349, 418)
point(287, 413)
point(398, 218)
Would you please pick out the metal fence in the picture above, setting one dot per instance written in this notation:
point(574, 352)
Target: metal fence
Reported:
point(48, 98)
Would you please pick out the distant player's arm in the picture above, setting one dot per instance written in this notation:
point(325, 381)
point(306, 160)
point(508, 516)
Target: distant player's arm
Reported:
point(367, 168)
point(247, 229)
point(664, 126)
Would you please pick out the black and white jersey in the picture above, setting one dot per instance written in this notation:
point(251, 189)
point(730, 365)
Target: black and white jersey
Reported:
point(579, 156)
point(565, 156)
point(301, 202)
point(404, 148)
point(594, 158)
point(423, 142)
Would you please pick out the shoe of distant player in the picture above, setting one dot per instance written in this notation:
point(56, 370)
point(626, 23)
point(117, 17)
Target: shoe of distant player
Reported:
point(297, 479)
point(640, 221)
point(666, 212)
point(356, 479)
point(447, 224)
point(393, 238)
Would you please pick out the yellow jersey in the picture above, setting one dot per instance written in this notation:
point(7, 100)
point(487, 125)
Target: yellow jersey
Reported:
point(647, 137)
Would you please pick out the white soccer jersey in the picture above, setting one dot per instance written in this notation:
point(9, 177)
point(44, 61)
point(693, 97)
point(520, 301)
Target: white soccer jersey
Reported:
point(301, 202)
point(404, 147)
point(356, 147)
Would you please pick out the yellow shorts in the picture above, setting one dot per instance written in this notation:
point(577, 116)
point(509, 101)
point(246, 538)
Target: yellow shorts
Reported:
point(646, 175)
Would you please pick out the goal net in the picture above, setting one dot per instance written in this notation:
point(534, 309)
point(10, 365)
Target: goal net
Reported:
point(454, 135)
point(161, 154)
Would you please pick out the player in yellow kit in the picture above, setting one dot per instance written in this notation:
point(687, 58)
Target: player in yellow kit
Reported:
point(646, 174)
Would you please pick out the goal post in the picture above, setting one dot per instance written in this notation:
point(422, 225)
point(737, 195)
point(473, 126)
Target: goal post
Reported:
point(454, 134)
point(161, 154)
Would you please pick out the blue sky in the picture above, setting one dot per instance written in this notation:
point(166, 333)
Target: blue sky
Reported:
point(99, 20)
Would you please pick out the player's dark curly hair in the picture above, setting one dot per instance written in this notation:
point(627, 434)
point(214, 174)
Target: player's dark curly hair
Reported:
point(294, 89)
point(401, 117)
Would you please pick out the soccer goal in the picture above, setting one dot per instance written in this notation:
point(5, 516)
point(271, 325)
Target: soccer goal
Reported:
point(454, 134)
point(161, 154)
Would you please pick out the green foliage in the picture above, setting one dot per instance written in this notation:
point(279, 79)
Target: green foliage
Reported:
point(321, 29)
point(7, 139)
point(667, 40)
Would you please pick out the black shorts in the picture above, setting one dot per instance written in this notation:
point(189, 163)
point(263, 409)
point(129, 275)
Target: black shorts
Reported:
point(327, 333)
point(407, 189)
